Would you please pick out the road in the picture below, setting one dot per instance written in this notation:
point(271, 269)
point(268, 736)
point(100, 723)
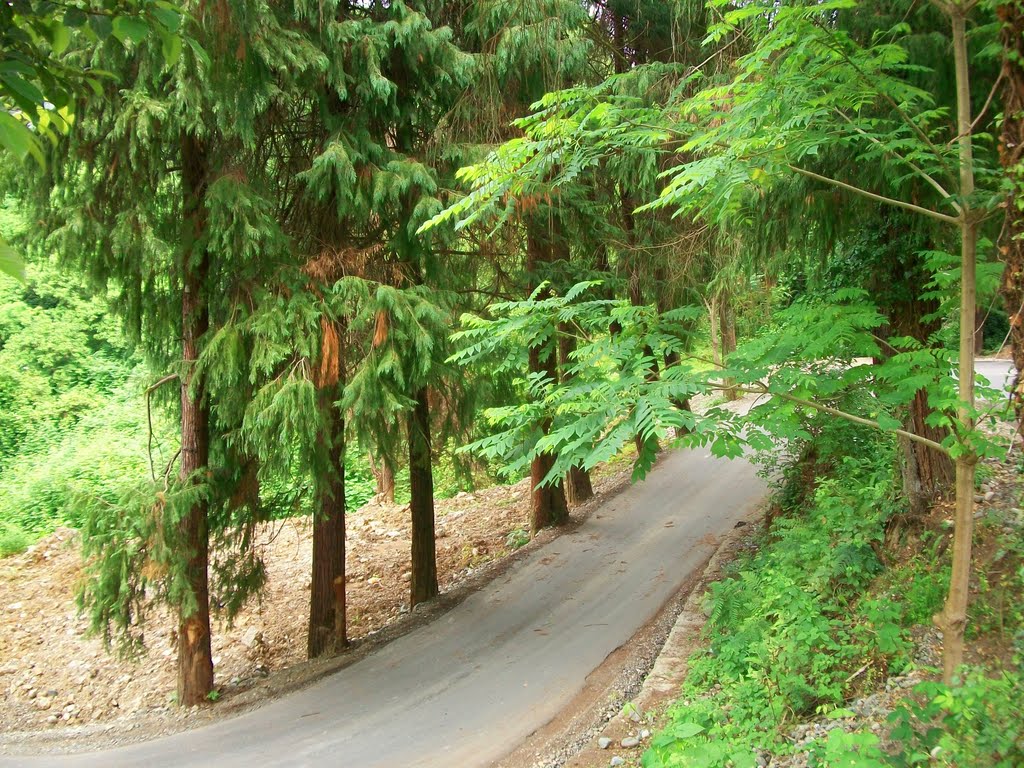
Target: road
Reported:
point(998, 372)
point(468, 688)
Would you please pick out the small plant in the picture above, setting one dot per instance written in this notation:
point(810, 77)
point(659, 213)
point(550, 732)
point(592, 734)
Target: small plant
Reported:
point(213, 696)
point(517, 538)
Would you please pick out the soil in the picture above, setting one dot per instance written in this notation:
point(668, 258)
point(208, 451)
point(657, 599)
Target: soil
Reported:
point(60, 686)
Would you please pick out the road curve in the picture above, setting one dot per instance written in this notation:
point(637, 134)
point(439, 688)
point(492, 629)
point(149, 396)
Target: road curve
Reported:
point(468, 688)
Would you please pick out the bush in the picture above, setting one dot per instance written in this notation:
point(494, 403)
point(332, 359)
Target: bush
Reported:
point(789, 625)
point(12, 539)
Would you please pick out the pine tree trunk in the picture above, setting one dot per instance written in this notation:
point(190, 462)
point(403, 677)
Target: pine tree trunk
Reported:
point(1011, 154)
point(927, 473)
point(578, 487)
point(671, 358)
point(385, 478)
point(548, 504)
point(327, 626)
point(421, 505)
point(636, 296)
point(195, 660)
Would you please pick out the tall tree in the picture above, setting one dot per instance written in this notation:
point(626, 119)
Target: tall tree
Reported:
point(176, 240)
point(1011, 154)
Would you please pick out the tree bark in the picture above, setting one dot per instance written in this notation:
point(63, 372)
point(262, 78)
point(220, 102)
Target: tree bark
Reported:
point(327, 625)
point(421, 505)
point(714, 332)
point(727, 331)
point(578, 487)
point(195, 660)
point(548, 505)
point(385, 478)
point(1011, 155)
point(927, 473)
point(952, 620)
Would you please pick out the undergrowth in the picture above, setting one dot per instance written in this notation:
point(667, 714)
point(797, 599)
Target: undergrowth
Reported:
point(811, 620)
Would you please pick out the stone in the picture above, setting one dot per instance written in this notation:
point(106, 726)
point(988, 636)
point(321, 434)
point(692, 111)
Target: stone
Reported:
point(617, 761)
point(52, 719)
point(251, 637)
point(990, 495)
point(604, 742)
point(629, 742)
point(645, 734)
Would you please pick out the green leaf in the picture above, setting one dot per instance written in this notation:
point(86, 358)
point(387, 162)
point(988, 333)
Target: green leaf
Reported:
point(11, 262)
point(169, 18)
point(170, 47)
point(75, 18)
point(687, 730)
point(60, 37)
point(101, 25)
point(130, 28)
point(24, 92)
point(885, 421)
point(17, 139)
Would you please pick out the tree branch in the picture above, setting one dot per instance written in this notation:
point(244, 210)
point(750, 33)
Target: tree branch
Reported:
point(873, 196)
point(763, 389)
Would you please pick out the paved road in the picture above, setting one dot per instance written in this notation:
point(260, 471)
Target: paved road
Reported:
point(998, 372)
point(468, 688)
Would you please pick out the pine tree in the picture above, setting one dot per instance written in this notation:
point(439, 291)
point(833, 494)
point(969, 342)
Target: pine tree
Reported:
point(174, 240)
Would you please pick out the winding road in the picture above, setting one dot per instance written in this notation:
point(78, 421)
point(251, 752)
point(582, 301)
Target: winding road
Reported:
point(466, 689)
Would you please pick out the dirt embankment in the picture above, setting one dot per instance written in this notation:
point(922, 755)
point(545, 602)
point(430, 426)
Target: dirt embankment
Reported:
point(56, 679)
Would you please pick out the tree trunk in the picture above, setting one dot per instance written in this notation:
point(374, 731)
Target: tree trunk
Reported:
point(327, 625)
point(636, 297)
point(195, 661)
point(952, 620)
point(1011, 154)
point(714, 332)
point(548, 504)
point(727, 329)
point(421, 505)
point(578, 487)
point(385, 478)
point(927, 473)
point(664, 305)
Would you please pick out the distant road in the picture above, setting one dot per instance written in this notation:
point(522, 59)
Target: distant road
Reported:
point(998, 372)
point(465, 690)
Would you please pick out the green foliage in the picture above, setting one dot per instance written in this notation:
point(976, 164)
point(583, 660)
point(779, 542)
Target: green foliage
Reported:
point(973, 723)
point(788, 628)
point(12, 538)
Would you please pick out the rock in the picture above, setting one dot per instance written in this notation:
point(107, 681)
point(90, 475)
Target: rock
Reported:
point(645, 734)
point(52, 719)
point(604, 742)
point(629, 742)
point(407, 576)
point(251, 637)
point(617, 761)
point(990, 495)
point(43, 702)
point(978, 497)
point(635, 716)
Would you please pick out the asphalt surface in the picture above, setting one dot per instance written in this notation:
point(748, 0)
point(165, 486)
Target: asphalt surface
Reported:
point(998, 372)
point(466, 689)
